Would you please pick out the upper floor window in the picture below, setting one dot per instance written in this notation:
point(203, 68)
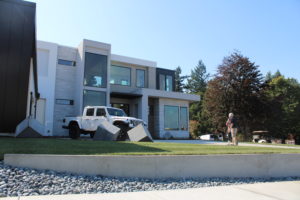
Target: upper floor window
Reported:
point(165, 82)
point(66, 62)
point(94, 98)
point(169, 83)
point(162, 82)
point(120, 75)
point(140, 78)
point(95, 70)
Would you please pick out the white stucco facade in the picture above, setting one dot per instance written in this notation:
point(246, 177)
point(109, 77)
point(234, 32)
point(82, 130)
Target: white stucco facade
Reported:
point(46, 66)
point(65, 87)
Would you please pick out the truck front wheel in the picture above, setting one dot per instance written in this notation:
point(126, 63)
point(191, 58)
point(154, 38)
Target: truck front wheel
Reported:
point(74, 131)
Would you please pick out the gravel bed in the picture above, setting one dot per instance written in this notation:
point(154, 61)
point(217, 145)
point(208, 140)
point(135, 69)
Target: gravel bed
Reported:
point(25, 182)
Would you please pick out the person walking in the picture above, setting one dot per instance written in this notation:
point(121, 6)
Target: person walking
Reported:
point(232, 128)
point(228, 132)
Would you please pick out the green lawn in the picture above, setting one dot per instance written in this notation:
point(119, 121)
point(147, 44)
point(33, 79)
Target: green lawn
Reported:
point(87, 147)
point(286, 145)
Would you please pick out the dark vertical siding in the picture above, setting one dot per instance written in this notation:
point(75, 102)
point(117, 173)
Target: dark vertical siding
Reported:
point(17, 25)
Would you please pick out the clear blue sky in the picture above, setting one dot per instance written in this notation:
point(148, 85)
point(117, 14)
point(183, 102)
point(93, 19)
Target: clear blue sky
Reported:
point(180, 32)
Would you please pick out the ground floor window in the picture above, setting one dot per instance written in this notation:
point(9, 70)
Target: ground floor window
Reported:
point(184, 118)
point(171, 117)
point(94, 98)
point(122, 106)
point(175, 118)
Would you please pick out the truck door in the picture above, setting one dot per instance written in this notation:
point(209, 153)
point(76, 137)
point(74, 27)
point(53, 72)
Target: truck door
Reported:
point(87, 119)
point(100, 116)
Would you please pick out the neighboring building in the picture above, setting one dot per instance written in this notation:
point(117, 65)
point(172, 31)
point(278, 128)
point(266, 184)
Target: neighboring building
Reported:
point(18, 69)
point(72, 78)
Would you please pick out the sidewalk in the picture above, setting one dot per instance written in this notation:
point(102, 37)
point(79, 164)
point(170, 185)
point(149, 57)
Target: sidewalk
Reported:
point(261, 191)
point(225, 143)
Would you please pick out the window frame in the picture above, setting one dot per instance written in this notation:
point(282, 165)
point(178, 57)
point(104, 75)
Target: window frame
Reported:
point(136, 78)
point(121, 67)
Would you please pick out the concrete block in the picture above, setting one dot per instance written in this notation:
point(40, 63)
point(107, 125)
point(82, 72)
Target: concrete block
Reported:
point(106, 132)
point(139, 134)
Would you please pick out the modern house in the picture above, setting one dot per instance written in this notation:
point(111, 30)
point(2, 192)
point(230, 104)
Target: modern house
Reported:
point(18, 69)
point(71, 78)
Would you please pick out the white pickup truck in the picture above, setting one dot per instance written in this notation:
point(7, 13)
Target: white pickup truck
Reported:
point(94, 115)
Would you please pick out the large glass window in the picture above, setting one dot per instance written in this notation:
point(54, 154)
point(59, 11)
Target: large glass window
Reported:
point(140, 78)
point(176, 118)
point(183, 118)
point(120, 75)
point(169, 83)
point(94, 98)
point(165, 82)
point(95, 70)
point(162, 82)
point(171, 117)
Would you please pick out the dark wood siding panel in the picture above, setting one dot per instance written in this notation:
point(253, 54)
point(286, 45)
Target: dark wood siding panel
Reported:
point(13, 73)
point(5, 24)
point(26, 52)
point(17, 35)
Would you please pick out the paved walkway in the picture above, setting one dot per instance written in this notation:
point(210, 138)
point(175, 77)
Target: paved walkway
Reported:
point(261, 191)
point(225, 143)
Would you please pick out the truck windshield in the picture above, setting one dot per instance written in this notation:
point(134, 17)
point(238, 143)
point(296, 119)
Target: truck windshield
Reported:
point(116, 112)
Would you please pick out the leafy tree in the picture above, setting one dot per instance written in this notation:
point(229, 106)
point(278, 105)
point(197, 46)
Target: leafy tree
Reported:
point(179, 80)
point(270, 76)
point(284, 98)
point(236, 88)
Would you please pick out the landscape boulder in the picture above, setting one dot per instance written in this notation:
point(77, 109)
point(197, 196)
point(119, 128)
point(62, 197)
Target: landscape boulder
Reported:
point(106, 132)
point(139, 134)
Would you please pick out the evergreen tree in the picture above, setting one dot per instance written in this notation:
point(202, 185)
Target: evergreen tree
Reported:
point(198, 80)
point(270, 76)
point(196, 84)
point(179, 80)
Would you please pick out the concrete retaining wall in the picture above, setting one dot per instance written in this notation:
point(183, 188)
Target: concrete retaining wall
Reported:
point(260, 165)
